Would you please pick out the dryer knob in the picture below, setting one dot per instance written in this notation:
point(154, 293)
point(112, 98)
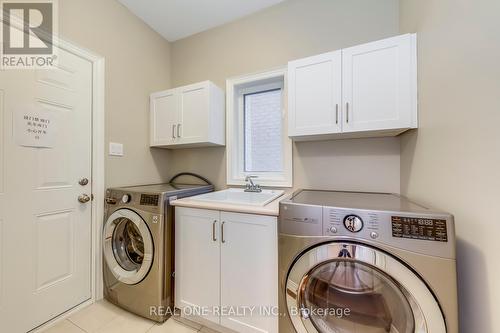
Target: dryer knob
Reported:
point(353, 223)
point(333, 229)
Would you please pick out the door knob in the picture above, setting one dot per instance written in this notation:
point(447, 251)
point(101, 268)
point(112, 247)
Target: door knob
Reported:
point(83, 181)
point(84, 198)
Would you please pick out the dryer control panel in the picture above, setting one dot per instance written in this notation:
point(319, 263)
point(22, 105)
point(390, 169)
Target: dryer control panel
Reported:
point(338, 221)
point(419, 228)
point(364, 218)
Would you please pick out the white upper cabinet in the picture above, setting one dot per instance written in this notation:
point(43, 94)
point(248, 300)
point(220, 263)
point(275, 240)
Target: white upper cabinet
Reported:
point(163, 119)
point(379, 85)
point(188, 116)
point(374, 84)
point(315, 94)
point(193, 99)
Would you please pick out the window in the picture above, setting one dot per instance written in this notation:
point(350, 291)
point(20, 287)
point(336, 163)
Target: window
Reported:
point(256, 125)
point(263, 131)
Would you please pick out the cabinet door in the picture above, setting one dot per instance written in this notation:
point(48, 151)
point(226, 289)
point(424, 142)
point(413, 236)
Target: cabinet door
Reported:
point(379, 85)
point(197, 261)
point(249, 271)
point(194, 113)
point(164, 107)
point(314, 94)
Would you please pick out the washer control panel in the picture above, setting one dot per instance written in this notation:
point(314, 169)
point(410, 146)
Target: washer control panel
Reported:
point(137, 201)
point(149, 199)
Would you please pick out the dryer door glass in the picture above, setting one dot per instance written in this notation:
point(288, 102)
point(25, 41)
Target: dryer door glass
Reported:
point(128, 244)
point(349, 296)
point(347, 287)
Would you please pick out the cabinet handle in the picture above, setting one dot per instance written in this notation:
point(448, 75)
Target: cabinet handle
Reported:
point(173, 131)
point(178, 130)
point(336, 113)
point(214, 238)
point(347, 112)
point(222, 232)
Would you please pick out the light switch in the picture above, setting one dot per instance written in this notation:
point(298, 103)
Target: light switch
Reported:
point(115, 149)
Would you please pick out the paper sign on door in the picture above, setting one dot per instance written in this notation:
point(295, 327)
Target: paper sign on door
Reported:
point(35, 127)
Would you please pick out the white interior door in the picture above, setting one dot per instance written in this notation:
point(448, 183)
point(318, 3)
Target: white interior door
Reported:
point(249, 272)
point(379, 85)
point(314, 94)
point(45, 232)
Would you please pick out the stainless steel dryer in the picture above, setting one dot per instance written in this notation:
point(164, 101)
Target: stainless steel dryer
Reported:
point(365, 262)
point(138, 247)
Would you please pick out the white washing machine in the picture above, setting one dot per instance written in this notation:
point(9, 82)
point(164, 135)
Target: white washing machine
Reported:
point(365, 262)
point(138, 247)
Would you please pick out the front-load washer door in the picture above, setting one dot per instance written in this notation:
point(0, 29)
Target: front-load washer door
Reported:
point(343, 287)
point(128, 246)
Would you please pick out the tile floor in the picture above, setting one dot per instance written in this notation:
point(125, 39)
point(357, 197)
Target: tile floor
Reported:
point(104, 317)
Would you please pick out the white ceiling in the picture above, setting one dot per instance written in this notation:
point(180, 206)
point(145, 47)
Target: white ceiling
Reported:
point(176, 19)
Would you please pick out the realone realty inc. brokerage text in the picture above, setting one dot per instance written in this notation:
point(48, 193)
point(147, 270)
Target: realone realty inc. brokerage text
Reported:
point(244, 311)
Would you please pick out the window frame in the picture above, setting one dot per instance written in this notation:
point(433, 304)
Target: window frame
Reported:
point(236, 89)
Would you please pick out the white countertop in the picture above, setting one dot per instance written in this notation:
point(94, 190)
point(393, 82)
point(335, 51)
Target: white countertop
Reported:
point(271, 209)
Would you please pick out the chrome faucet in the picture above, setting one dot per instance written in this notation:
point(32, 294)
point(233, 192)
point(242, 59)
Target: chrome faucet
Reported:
point(251, 186)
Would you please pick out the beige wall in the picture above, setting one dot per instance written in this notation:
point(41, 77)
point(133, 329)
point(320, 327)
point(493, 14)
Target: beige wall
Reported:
point(270, 38)
point(453, 162)
point(137, 63)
